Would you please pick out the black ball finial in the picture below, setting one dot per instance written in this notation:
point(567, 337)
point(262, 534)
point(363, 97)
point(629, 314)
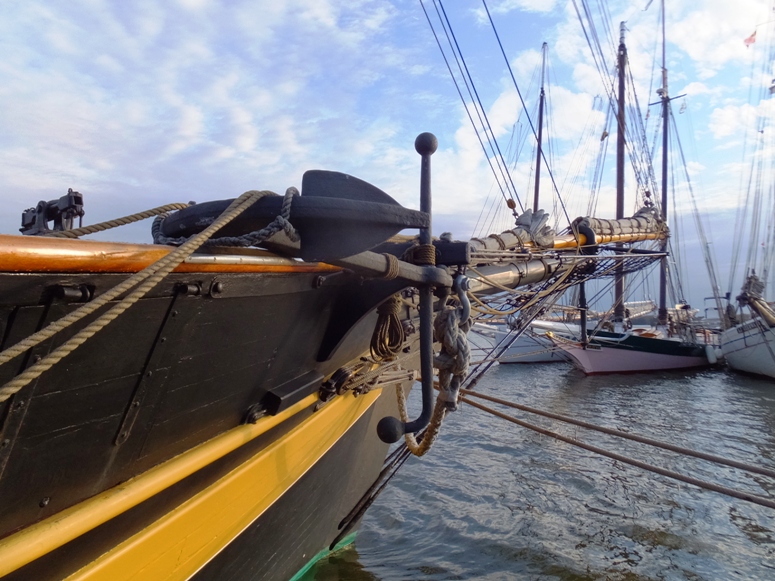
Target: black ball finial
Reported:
point(426, 143)
point(390, 429)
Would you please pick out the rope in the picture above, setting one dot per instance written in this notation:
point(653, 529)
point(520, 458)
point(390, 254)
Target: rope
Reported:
point(505, 179)
point(388, 336)
point(486, 309)
point(361, 377)
point(527, 115)
point(762, 501)
point(627, 435)
point(455, 355)
point(431, 432)
point(115, 223)
point(389, 469)
point(153, 273)
point(421, 254)
point(251, 238)
point(452, 363)
point(392, 267)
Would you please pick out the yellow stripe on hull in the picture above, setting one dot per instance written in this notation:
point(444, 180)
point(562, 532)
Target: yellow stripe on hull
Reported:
point(41, 538)
point(176, 546)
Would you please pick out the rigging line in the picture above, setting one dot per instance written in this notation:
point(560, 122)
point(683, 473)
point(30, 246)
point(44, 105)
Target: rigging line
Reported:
point(488, 226)
point(491, 135)
point(532, 89)
point(594, 44)
point(654, 60)
point(465, 105)
point(502, 346)
point(737, 243)
point(760, 500)
point(481, 223)
point(603, 68)
point(756, 213)
point(528, 314)
point(627, 435)
point(481, 212)
point(597, 58)
point(679, 256)
point(597, 176)
point(636, 120)
point(638, 130)
point(530, 121)
point(573, 178)
point(607, 20)
point(481, 114)
point(698, 220)
point(742, 209)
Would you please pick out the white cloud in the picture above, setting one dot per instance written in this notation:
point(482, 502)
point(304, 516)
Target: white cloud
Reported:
point(731, 120)
point(142, 104)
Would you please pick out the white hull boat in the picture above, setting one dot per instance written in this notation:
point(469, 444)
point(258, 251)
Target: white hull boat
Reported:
point(533, 346)
point(750, 347)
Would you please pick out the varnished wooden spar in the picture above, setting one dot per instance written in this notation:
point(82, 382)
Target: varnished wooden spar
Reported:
point(569, 241)
point(41, 254)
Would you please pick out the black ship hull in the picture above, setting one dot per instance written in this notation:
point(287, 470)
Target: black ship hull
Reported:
point(187, 439)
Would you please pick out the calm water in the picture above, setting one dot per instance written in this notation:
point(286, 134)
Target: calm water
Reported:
point(493, 500)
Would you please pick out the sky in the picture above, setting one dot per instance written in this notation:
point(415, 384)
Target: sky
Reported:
point(140, 103)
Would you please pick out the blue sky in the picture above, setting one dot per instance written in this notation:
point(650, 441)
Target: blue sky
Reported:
point(141, 103)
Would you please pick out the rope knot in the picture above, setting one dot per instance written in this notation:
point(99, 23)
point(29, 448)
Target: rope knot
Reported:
point(455, 355)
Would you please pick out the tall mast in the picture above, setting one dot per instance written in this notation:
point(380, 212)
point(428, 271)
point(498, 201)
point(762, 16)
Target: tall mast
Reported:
point(540, 127)
point(619, 280)
point(662, 313)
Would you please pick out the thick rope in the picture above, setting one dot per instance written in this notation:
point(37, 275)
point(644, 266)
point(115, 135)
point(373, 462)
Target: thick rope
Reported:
point(626, 435)
point(452, 363)
point(421, 254)
point(392, 267)
point(153, 273)
point(430, 433)
point(455, 354)
point(115, 223)
point(761, 501)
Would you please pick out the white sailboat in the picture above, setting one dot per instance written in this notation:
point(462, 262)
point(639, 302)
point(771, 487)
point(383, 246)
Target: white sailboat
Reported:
point(748, 343)
point(534, 346)
point(750, 346)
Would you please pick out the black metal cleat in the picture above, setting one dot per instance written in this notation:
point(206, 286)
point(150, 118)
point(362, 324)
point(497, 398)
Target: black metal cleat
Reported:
point(62, 212)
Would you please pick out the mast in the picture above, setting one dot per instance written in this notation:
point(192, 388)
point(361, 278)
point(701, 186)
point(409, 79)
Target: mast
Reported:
point(583, 313)
point(619, 282)
point(662, 313)
point(540, 127)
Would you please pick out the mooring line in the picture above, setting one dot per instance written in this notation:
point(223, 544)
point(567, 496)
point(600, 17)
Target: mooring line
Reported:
point(760, 500)
point(628, 436)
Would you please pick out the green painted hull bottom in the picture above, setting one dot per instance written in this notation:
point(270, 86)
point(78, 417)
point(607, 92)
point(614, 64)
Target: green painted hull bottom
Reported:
point(322, 554)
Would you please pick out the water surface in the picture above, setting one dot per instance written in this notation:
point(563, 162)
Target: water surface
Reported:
point(493, 500)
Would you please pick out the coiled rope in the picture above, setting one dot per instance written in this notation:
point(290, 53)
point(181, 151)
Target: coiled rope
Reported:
point(149, 277)
point(388, 337)
point(250, 239)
